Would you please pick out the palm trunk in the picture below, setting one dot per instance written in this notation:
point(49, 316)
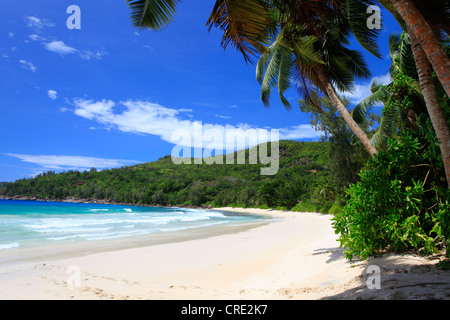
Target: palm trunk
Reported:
point(331, 92)
point(417, 25)
point(434, 108)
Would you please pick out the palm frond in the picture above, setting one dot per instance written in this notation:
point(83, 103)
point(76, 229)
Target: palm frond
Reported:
point(304, 50)
point(401, 54)
point(340, 76)
point(388, 126)
point(357, 18)
point(379, 96)
point(355, 63)
point(308, 86)
point(285, 77)
point(270, 79)
point(375, 140)
point(376, 86)
point(152, 14)
point(248, 25)
point(344, 65)
point(261, 66)
point(394, 43)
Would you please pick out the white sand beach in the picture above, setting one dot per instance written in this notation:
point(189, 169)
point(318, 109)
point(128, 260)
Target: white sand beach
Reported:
point(295, 257)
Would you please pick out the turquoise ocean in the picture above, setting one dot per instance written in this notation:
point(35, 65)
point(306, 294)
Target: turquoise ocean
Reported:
point(37, 223)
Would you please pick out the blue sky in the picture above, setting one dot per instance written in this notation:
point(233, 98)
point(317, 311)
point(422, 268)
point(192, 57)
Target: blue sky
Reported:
point(109, 95)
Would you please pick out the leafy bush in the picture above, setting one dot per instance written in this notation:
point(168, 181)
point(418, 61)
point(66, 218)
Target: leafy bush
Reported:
point(305, 206)
point(398, 203)
point(335, 208)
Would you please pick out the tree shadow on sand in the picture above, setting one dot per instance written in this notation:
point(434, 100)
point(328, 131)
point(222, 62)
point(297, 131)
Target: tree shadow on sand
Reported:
point(335, 253)
point(401, 277)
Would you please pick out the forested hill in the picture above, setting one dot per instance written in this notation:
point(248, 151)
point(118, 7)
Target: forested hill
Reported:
point(301, 177)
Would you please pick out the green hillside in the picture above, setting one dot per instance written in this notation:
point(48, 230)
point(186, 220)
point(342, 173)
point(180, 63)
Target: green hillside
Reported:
point(302, 175)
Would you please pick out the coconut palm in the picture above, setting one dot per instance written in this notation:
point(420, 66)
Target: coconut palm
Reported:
point(402, 63)
point(309, 12)
point(435, 110)
point(393, 117)
point(432, 17)
point(296, 56)
point(389, 120)
point(250, 24)
point(422, 19)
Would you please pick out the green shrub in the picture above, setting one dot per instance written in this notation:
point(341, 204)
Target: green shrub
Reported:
point(305, 206)
point(396, 205)
point(335, 208)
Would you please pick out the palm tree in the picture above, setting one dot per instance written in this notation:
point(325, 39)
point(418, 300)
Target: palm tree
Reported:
point(152, 14)
point(431, 17)
point(435, 110)
point(393, 117)
point(389, 120)
point(314, 64)
point(309, 12)
point(404, 56)
point(250, 24)
point(421, 19)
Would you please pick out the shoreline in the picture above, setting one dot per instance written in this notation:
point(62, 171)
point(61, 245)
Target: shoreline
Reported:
point(38, 253)
point(69, 250)
point(99, 201)
point(295, 256)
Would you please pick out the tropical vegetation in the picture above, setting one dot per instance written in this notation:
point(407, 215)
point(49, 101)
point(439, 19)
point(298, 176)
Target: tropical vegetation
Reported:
point(385, 177)
point(393, 205)
point(303, 173)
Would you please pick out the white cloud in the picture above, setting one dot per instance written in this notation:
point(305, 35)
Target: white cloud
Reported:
point(64, 162)
point(28, 65)
point(36, 37)
point(52, 94)
point(34, 22)
point(143, 117)
point(302, 131)
point(100, 110)
point(221, 116)
point(63, 49)
point(56, 45)
point(87, 55)
point(362, 91)
point(59, 47)
point(233, 106)
point(11, 35)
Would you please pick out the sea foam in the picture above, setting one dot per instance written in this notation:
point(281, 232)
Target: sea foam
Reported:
point(9, 246)
point(24, 223)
